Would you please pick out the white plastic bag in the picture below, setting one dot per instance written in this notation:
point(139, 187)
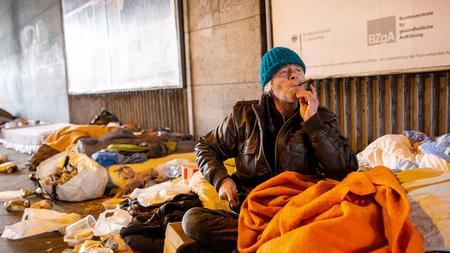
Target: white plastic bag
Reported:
point(171, 169)
point(39, 221)
point(111, 221)
point(10, 195)
point(89, 183)
point(160, 193)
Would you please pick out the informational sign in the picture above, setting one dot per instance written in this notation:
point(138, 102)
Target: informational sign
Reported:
point(114, 45)
point(351, 37)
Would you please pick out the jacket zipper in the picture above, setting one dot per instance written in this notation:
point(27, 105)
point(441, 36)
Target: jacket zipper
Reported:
point(261, 142)
point(276, 139)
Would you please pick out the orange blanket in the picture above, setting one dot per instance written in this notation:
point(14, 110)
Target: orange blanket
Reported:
point(366, 212)
point(66, 136)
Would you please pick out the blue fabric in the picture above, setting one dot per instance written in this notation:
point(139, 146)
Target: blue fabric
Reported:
point(415, 136)
point(108, 158)
point(439, 147)
point(276, 58)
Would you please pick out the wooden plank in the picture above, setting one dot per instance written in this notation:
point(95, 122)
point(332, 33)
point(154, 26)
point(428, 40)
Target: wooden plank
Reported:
point(170, 98)
point(394, 125)
point(448, 103)
point(435, 104)
point(442, 118)
point(326, 88)
point(420, 105)
point(347, 109)
point(359, 108)
point(381, 105)
point(407, 102)
point(341, 106)
point(336, 98)
point(427, 104)
point(321, 95)
point(370, 110)
point(178, 100)
point(353, 112)
point(363, 113)
point(317, 87)
point(400, 103)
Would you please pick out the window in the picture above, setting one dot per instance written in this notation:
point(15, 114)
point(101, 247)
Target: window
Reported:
point(114, 45)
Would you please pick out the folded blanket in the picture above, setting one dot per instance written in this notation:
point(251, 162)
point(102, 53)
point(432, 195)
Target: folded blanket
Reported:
point(428, 192)
point(367, 211)
point(67, 136)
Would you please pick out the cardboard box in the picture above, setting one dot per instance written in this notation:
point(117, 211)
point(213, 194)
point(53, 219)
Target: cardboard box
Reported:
point(175, 237)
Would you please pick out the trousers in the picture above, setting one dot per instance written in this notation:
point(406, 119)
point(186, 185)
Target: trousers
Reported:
point(213, 230)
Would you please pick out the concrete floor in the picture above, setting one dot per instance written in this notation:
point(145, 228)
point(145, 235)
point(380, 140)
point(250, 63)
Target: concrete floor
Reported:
point(49, 242)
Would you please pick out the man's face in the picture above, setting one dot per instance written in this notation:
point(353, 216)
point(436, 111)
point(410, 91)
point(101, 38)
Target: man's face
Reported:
point(287, 81)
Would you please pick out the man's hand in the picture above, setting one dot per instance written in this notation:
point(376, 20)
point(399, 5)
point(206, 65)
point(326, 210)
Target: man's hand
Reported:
point(308, 102)
point(228, 191)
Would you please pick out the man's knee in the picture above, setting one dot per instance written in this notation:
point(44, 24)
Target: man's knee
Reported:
point(194, 224)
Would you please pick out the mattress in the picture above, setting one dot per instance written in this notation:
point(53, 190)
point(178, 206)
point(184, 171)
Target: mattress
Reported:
point(28, 139)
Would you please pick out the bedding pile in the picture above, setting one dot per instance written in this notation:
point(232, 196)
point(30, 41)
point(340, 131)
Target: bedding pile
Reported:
point(400, 204)
point(367, 211)
point(398, 152)
point(422, 166)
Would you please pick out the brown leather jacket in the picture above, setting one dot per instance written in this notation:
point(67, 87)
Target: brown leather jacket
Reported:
point(314, 147)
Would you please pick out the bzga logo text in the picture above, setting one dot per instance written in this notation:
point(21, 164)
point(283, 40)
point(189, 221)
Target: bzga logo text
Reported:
point(381, 31)
point(379, 38)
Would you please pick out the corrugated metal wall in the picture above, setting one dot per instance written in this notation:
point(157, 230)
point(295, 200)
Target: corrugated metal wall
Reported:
point(145, 109)
point(372, 106)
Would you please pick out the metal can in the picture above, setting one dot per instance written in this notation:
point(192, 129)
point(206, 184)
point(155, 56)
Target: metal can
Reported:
point(16, 205)
point(25, 193)
point(43, 204)
point(8, 167)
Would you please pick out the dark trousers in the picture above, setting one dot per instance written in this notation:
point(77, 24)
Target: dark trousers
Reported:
point(214, 230)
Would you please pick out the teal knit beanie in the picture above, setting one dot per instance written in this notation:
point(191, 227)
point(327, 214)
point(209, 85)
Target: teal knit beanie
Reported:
point(276, 58)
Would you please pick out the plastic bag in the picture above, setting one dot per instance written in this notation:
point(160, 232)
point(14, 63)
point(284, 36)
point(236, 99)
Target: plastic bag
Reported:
point(91, 246)
point(80, 231)
point(116, 243)
point(171, 169)
point(131, 180)
point(39, 221)
point(89, 183)
point(111, 221)
point(160, 193)
point(207, 193)
point(10, 195)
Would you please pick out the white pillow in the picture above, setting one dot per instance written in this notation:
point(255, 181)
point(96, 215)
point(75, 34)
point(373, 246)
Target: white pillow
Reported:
point(393, 151)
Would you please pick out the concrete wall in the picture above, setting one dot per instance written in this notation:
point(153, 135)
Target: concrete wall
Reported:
point(224, 54)
point(32, 65)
